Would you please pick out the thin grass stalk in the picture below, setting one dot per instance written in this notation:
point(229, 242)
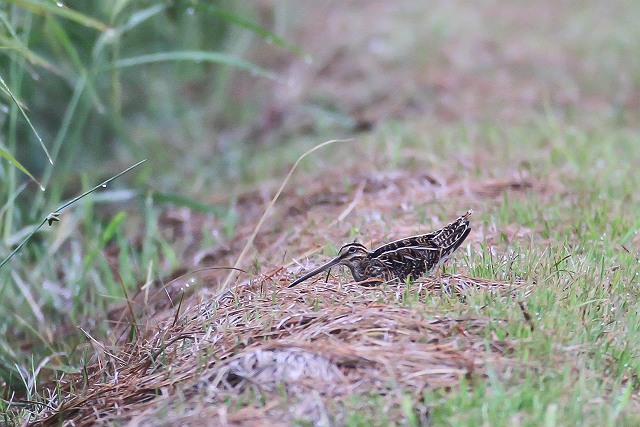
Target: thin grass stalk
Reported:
point(54, 216)
point(233, 273)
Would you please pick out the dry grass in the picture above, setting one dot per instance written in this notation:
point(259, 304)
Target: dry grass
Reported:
point(301, 348)
point(278, 342)
point(301, 224)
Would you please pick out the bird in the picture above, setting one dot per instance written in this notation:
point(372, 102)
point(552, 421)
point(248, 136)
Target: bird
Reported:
point(410, 257)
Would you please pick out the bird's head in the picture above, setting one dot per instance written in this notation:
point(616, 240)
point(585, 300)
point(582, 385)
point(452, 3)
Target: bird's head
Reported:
point(350, 255)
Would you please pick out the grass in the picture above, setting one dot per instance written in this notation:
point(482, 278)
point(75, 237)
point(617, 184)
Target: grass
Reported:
point(556, 208)
point(577, 362)
point(66, 76)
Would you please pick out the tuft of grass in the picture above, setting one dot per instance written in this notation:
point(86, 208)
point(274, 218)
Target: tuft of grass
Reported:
point(69, 73)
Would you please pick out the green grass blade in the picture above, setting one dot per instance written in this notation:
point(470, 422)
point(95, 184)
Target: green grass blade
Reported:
point(134, 20)
point(195, 56)
point(15, 43)
point(141, 16)
point(186, 202)
point(44, 7)
point(117, 7)
point(53, 216)
point(97, 187)
point(241, 22)
point(44, 148)
point(58, 38)
point(4, 153)
point(10, 44)
point(107, 235)
point(63, 130)
point(630, 233)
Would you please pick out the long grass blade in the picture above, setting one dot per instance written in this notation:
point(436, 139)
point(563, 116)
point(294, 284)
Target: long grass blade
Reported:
point(15, 100)
point(41, 7)
point(195, 56)
point(53, 216)
point(241, 22)
point(4, 153)
point(63, 130)
point(232, 274)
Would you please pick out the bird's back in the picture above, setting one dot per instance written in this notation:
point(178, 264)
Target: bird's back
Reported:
point(417, 255)
point(449, 238)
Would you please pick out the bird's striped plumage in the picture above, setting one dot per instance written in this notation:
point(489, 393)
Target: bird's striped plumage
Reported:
point(410, 257)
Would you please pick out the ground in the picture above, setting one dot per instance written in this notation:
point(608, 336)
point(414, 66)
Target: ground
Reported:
point(524, 113)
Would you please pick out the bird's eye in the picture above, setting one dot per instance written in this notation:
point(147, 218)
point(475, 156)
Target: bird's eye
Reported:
point(352, 249)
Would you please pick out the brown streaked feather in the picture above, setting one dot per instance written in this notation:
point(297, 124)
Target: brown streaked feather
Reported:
point(411, 257)
point(446, 237)
point(410, 262)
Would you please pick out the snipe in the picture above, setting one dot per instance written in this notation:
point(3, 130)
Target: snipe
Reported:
point(409, 257)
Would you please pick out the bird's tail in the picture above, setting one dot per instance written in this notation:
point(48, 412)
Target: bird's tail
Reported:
point(451, 236)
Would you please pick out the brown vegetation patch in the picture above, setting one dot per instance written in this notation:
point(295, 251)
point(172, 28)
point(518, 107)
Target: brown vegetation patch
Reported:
point(325, 205)
point(302, 349)
point(298, 347)
point(380, 60)
point(302, 224)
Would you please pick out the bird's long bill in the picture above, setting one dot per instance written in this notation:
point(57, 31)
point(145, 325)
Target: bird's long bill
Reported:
point(316, 271)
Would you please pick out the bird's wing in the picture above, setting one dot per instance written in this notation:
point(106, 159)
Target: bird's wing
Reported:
point(447, 238)
point(451, 236)
point(407, 261)
point(422, 241)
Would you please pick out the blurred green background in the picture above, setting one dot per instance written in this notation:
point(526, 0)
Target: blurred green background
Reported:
point(108, 82)
point(104, 85)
